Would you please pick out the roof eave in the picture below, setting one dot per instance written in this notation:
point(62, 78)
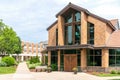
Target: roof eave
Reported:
point(52, 25)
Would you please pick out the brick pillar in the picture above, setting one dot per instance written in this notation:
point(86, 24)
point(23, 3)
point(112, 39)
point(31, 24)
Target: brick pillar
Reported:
point(83, 28)
point(105, 58)
point(60, 30)
point(49, 58)
point(83, 59)
point(59, 60)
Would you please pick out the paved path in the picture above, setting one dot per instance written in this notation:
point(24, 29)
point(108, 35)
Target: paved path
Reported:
point(64, 76)
point(23, 73)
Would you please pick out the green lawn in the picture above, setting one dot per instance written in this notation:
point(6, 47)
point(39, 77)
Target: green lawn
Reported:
point(107, 75)
point(7, 70)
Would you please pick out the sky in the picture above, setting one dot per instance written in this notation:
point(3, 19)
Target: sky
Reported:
point(30, 18)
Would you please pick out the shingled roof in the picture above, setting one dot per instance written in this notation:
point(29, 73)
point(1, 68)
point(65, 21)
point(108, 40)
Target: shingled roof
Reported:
point(114, 39)
point(114, 22)
point(78, 8)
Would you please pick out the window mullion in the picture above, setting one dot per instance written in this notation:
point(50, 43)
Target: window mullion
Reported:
point(73, 28)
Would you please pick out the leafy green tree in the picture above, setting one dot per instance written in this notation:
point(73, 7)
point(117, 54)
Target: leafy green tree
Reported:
point(10, 43)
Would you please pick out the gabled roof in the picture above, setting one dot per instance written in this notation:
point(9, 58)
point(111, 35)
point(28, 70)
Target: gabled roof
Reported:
point(52, 25)
point(78, 8)
point(114, 39)
point(70, 5)
point(114, 22)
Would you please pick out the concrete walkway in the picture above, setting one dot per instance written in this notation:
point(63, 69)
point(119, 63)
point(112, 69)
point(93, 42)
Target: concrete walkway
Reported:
point(22, 72)
point(65, 76)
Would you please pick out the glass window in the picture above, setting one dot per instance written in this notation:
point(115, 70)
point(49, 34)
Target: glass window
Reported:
point(90, 35)
point(77, 16)
point(112, 60)
point(56, 36)
point(69, 35)
point(72, 28)
point(62, 60)
point(68, 18)
point(77, 34)
point(94, 57)
point(118, 52)
point(114, 57)
point(54, 57)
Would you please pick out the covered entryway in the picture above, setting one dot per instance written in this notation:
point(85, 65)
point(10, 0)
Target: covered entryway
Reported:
point(70, 61)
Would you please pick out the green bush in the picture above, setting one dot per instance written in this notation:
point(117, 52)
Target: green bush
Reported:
point(54, 67)
point(113, 72)
point(32, 66)
point(34, 60)
point(9, 60)
point(118, 72)
point(2, 64)
point(46, 60)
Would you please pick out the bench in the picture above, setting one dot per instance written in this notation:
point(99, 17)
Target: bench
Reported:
point(40, 68)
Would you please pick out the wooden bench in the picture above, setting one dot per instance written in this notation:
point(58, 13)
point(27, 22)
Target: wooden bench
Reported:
point(40, 68)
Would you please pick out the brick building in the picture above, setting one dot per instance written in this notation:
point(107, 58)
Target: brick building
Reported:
point(29, 49)
point(79, 38)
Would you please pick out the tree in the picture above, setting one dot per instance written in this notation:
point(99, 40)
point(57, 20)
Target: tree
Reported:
point(10, 43)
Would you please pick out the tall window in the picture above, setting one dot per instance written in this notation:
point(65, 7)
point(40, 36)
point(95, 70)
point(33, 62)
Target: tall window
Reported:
point(56, 36)
point(54, 57)
point(72, 28)
point(54, 60)
point(93, 57)
point(114, 57)
point(90, 33)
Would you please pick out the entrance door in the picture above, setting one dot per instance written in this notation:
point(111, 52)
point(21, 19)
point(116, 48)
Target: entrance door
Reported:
point(70, 61)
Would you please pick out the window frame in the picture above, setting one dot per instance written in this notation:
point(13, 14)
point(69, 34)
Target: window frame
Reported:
point(73, 24)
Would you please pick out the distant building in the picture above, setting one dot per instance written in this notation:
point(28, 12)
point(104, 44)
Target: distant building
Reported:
point(29, 49)
point(43, 50)
point(43, 45)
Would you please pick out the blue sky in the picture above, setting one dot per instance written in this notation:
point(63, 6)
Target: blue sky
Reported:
point(30, 18)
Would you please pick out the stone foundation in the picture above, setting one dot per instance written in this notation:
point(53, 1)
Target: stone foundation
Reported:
point(100, 69)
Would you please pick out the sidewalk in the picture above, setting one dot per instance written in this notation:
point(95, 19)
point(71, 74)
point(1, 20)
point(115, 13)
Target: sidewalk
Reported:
point(23, 73)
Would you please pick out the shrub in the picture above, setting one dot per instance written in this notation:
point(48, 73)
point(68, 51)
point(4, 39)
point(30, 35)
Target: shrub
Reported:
point(118, 72)
point(2, 64)
point(32, 66)
point(34, 60)
point(113, 72)
point(54, 67)
point(9, 60)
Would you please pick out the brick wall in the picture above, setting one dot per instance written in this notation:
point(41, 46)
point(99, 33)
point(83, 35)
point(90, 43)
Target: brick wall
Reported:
point(101, 31)
point(52, 36)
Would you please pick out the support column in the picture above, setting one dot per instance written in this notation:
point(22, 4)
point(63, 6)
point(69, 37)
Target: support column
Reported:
point(83, 28)
point(105, 58)
point(49, 58)
point(59, 60)
point(22, 58)
point(83, 59)
point(44, 58)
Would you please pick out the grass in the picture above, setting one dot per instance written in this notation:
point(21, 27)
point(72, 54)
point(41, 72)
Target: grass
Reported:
point(107, 75)
point(102, 74)
point(7, 70)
